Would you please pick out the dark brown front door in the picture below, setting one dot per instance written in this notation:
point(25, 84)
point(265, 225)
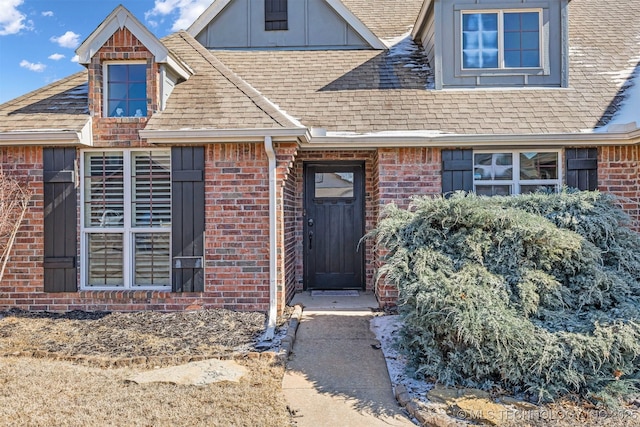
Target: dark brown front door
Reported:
point(333, 226)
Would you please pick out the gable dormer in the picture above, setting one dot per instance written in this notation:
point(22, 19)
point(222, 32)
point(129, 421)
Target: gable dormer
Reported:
point(131, 73)
point(495, 43)
point(294, 24)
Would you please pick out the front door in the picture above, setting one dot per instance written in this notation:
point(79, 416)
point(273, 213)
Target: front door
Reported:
point(333, 226)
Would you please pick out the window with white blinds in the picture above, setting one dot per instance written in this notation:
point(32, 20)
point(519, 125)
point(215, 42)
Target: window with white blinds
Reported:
point(126, 219)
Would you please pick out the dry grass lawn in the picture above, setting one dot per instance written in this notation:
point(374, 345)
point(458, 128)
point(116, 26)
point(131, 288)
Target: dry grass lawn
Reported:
point(46, 392)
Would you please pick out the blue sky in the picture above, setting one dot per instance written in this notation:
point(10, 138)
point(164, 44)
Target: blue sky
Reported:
point(38, 38)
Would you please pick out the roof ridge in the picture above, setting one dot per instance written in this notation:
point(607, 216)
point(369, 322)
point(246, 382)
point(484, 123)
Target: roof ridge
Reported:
point(255, 96)
point(42, 89)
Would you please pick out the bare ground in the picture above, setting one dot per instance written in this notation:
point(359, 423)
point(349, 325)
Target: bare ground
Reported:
point(68, 370)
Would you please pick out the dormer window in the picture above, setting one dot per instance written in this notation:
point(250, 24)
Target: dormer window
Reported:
point(501, 39)
point(275, 15)
point(126, 89)
point(499, 43)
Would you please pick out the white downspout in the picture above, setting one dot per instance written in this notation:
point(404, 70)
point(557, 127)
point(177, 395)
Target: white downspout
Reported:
point(273, 243)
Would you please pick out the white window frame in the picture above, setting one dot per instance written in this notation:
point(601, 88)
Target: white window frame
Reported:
point(105, 86)
point(127, 230)
point(515, 182)
point(501, 12)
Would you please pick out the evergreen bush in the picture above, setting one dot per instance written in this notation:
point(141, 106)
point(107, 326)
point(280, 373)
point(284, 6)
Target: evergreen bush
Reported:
point(536, 294)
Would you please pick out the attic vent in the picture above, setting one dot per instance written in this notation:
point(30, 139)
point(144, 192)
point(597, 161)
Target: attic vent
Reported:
point(275, 15)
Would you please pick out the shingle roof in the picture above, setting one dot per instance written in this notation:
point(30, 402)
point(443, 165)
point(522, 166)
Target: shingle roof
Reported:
point(368, 91)
point(386, 18)
point(346, 90)
point(215, 97)
point(61, 105)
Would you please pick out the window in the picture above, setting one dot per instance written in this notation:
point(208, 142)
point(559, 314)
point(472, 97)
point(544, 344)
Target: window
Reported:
point(501, 39)
point(516, 172)
point(126, 226)
point(126, 90)
point(334, 185)
point(275, 15)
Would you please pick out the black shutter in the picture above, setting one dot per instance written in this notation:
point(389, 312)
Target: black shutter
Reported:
point(275, 15)
point(457, 170)
point(60, 220)
point(582, 168)
point(187, 218)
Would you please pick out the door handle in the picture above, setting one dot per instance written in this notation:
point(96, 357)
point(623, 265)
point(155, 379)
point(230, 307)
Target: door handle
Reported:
point(310, 239)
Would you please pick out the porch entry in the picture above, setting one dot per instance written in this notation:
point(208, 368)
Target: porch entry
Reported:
point(333, 225)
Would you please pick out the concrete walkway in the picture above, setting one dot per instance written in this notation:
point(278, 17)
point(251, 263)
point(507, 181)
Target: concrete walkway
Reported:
point(336, 376)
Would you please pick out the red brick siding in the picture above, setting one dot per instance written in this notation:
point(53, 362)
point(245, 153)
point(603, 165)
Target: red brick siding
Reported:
point(237, 225)
point(288, 221)
point(402, 173)
point(120, 132)
point(619, 174)
point(24, 273)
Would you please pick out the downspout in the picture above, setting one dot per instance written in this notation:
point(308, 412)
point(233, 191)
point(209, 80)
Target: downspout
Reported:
point(273, 243)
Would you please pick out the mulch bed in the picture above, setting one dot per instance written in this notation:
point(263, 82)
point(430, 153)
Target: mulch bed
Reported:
point(122, 339)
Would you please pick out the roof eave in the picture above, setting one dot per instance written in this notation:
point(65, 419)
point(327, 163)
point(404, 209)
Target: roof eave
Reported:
point(206, 17)
point(53, 137)
point(355, 23)
point(418, 27)
point(559, 140)
point(205, 136)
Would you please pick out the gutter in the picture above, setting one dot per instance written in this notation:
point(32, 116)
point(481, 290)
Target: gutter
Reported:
point(273, 243)
point(48, 137)
point(371, 141)
point(204, 136)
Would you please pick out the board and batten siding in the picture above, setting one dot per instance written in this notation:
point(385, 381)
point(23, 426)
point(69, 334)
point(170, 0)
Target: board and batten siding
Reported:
point(311, 24)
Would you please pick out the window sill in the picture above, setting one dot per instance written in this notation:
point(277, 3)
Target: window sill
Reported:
point(126, 119)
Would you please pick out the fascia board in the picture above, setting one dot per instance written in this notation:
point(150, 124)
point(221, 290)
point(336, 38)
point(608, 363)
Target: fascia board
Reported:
point(475, 141)
point(49, 137)
point(418, 27)
point(43, 138)
point(356, 24)
point(203, 136)
point(118, 19)
point(182, 69)
point(207, 16)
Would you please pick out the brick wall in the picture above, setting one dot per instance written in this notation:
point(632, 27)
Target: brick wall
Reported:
point(288, 221)
point(237, 225)
point(619, 174)
point(402, 173)
point(112, 131)
point(24, 272)
point(236, 239)
point(22, 286)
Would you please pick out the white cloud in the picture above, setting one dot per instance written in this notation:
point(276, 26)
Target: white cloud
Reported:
point(47, 13)
point(68, 39)
point(75, 58)
point(12, 21)
point(32, 67)
point(56, 56)
point(187, 11)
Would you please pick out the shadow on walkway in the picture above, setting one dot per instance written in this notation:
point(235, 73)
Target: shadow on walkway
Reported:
point(337, 375)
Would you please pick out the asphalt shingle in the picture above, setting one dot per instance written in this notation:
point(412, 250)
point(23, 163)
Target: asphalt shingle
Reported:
point(367, 91)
